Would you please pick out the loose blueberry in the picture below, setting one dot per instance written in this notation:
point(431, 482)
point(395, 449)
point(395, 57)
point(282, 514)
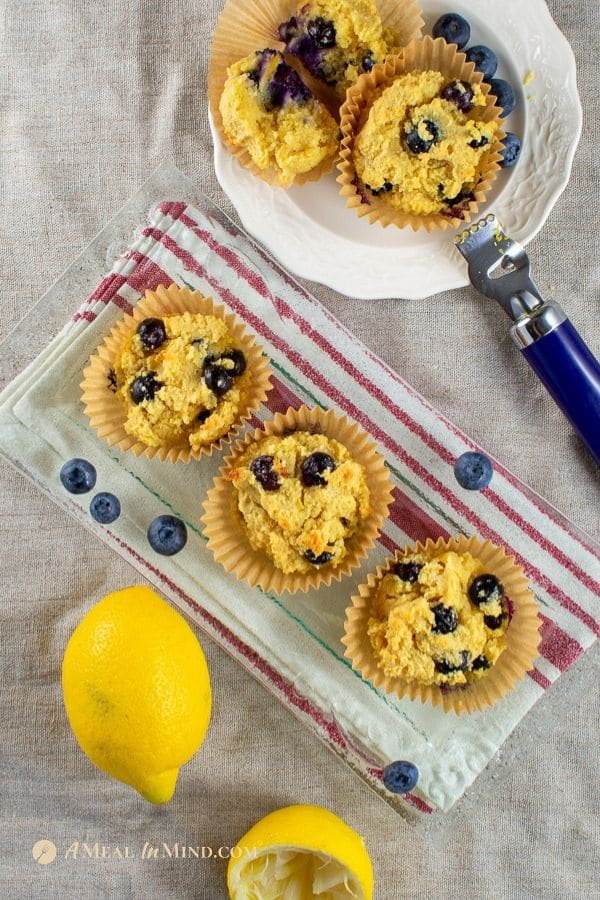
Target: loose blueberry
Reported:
point(446, 667)
point(262, 469)
point(319, 560)
point(407, 571)
point(400, 777)
point(78, 476)
point(494, 622)
point(144, 387)
point(238, 359)
point(313, 467)
point(167, 535)
point(322, 31)
point(105, 508)
point(217, 379)
point(504, 94)
point(453, 28)
point(485, 60)
point(460, 94)
point(446, 620)
point(417, 142)
point(473, 471)
point(152, 333)
point(510, 151)
point(480, 662)
point(485, 589)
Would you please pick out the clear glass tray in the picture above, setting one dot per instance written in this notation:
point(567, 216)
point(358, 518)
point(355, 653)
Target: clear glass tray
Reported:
point(169, 232)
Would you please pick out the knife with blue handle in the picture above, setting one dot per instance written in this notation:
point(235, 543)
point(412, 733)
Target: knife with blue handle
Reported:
point(499, 269)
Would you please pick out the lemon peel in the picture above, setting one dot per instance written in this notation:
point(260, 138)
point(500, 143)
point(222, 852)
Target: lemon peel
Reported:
point(302, 851)
point(137, 690)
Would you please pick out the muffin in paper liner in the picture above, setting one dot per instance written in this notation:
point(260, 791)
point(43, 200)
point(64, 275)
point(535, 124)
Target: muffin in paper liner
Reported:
point(419, 56)
point(227, 539)
point(522, 634)
point(106, 411)
point(245, 26)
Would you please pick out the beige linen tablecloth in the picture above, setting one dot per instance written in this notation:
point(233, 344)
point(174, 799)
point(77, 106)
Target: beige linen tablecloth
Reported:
point(93, 96)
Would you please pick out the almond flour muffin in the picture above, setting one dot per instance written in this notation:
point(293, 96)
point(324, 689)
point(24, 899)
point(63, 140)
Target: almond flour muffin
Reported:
point(336, 40)
point(268, 110)
point(300, 497)
point(421, 147)
point(182, 379)
point(438, 620)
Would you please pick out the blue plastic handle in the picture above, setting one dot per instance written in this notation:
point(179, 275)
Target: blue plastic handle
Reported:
point(567, 368)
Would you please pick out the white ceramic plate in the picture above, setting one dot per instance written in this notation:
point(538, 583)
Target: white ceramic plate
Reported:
point(313, 234)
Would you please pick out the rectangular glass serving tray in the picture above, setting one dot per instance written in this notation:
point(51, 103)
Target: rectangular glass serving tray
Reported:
point(169, 232)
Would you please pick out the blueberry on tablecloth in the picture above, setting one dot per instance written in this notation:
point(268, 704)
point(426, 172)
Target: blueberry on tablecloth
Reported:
point(105, 508)
point(400, 777)
point(473, 471)
point(78, 476)
point(167, 535)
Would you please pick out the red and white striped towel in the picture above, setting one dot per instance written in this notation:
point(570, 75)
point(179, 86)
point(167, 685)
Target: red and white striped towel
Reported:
point(293, 644)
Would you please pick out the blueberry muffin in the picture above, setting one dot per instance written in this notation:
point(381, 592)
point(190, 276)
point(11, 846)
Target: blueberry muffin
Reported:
point(300, 497)
point(268, 110)
point(336, 40)
point(438, 619)
point(182, 380)
point(421, 147)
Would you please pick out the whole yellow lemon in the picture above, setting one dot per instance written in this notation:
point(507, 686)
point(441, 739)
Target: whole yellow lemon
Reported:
point(137, 690)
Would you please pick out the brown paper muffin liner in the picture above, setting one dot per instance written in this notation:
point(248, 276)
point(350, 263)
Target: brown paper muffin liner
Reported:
point(420, 56)
point(522, 634)
point(227, 539)
point(248, 25)
point(106, 411)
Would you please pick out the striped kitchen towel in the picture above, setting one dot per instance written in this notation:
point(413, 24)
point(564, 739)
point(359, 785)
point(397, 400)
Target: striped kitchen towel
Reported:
point(292, 644)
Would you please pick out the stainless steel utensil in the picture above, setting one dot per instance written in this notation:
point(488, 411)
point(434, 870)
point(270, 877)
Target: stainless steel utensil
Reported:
point(499, 269)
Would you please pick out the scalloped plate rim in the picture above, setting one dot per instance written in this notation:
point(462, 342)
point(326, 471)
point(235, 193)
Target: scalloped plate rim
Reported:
point(244, 192)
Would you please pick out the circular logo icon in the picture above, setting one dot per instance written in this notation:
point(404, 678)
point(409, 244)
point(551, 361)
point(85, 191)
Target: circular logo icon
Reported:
point(44, 852)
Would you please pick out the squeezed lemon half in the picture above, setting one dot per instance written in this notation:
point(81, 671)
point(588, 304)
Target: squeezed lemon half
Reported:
point(300, 852)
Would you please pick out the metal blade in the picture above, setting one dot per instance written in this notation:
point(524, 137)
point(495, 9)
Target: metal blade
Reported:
point(498, 266)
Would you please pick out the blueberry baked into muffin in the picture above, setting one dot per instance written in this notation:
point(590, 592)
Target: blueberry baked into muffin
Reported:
point(438, 620)
point(422, 146)
point(268, 110)
point(336, 40)
point(182, 380)
point(300, 497)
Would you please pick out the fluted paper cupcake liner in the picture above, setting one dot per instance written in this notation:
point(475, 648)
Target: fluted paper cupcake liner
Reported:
point(245, 26)
point(419, 56)
point(107, 412)
point(522, 634)
point(227, 539)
